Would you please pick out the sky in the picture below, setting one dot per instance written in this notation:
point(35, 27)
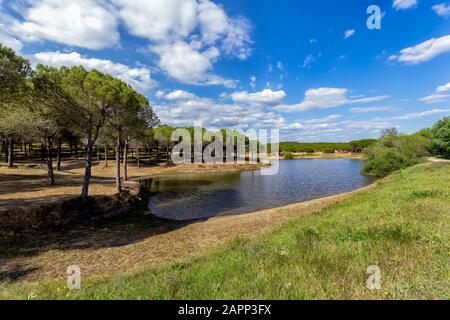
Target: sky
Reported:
point(312, 69)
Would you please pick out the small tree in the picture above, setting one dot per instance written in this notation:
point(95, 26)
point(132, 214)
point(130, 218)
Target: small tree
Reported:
point(163, 135)
point(440, 134)
point(79, 96)
point(14, 73)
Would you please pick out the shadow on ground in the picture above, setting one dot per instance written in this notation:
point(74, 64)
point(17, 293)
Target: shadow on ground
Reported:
point(117, 233)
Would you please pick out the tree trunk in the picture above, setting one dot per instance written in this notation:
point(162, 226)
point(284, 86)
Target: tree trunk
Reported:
point(42, 153)
point(125, 160)
point(58, 156)
point(106, 156)
point(138, 156)
point(26, 151)
point(88, 170)
point(76, 150)
point(5, 150)
point(98, 156)
point(118, 182)
point(51, 176)
point(11, 153)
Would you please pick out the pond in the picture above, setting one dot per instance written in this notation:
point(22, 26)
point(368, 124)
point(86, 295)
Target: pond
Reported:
point(191, 197)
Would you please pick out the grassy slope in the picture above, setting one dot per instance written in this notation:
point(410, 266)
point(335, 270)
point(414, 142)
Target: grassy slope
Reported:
point(402, 226)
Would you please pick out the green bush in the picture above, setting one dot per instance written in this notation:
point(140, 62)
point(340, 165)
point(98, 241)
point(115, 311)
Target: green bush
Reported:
point(328, 150)
point(441, 138)
point(288, 156)
point(394, 152)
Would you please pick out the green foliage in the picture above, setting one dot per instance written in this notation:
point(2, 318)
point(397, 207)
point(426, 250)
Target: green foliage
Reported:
point(394, 152)
point(328, 150)
point(440, 134)
point(360, 145)
point(288, 156)
point(14, 71)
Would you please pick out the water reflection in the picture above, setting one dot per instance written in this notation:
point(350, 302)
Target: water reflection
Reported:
point(190, 197)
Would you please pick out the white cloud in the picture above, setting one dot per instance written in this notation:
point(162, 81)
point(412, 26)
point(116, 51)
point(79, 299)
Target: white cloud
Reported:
point(253, 81)
point(8, 40)
point(159, 20)
point(177, 95)
point(185, 63)
point(404, 4)
point(265, 97)
point(89, 24)
point(139, 77)
point(435, 98)
point(349, 33)
point(442, 9)
point(326, 98)
point(417, 115)
point(309, 60)
point(200, 29)
point(424, 51)
point(214, 115)
point(444, 88)
point(439, 96)
point(189, 36)
point(372, 109)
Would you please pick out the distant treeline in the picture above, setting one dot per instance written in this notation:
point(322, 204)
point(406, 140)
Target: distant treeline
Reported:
point(356, 146)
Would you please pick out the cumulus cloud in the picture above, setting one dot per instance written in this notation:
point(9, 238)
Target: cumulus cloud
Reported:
point(326, 98)
point(404, 4)
point(424, 51)
point(88, 24)
point(265, 97)
point(184, 108)
point(189, 36)
point(186, 63)
point(139, 77)
point(199, 29)
point(442, 9)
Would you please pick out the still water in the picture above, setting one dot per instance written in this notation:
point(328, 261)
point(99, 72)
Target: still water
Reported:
point(190, 197)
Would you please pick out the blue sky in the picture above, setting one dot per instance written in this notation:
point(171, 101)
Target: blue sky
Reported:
point(311, 68)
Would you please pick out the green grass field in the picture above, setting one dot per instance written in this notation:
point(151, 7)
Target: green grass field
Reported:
point(401, 225)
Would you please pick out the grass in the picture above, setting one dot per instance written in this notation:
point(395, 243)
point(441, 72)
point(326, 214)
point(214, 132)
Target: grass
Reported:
point(401, 225)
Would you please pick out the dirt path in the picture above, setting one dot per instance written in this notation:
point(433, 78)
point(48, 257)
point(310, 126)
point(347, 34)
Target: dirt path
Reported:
point(135, 245)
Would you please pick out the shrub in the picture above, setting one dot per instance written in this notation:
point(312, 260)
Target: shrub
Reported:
point(441, 138)
point(328, 150)
point(394, 152)
point(288, 156)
